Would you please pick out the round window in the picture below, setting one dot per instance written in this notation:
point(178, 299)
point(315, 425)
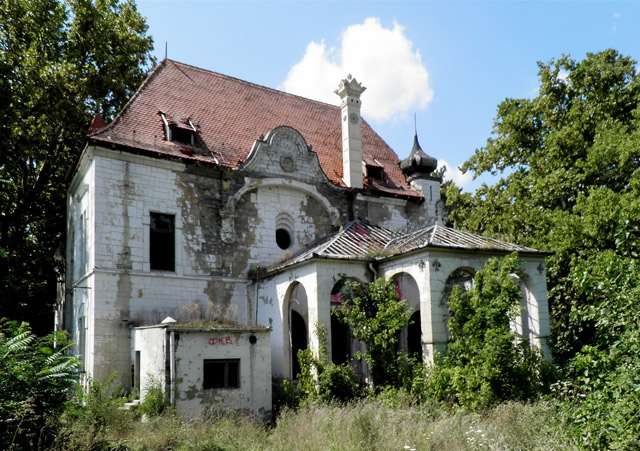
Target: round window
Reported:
point(283, 239)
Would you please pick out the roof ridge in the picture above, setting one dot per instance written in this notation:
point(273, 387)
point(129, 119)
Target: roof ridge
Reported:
point(279, 91)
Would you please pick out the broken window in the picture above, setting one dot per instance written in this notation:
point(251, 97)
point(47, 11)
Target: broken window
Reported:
point(183, 136)
point(221, 373)
point(162, 242)
point(181, 132)
point(375, 172)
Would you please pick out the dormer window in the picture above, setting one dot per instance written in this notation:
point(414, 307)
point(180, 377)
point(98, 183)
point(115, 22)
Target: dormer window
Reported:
point(374, 170)
point(182, 135)
point(180, 132)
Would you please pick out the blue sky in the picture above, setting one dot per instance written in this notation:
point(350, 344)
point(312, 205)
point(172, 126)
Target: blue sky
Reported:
point(450, 62)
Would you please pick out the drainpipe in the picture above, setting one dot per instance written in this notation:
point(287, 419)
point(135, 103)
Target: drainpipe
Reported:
point(373, 270)
point(172, 368)
point(246, 309)
point(256, 321)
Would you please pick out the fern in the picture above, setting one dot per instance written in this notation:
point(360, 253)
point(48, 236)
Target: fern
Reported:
point(20, 342)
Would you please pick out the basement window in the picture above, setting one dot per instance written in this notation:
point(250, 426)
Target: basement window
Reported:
point(219, 373)
point(162, 250)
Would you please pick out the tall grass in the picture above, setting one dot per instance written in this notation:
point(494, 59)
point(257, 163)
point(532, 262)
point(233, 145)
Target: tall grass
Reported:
point(362, 425)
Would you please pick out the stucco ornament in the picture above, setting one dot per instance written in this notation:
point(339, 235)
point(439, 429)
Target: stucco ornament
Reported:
point(287, 163)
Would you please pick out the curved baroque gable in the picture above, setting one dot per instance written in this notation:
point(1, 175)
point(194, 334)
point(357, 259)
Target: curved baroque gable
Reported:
point(284, 153)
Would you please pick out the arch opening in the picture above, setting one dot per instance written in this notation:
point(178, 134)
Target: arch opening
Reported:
point(463, 278)
point(298, 331)
point(411, 336)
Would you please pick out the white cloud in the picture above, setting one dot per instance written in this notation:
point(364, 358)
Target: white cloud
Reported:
point(382, 59)
point(454, 173)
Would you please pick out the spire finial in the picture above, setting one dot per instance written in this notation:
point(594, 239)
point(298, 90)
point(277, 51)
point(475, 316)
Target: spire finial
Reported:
point(415, 124)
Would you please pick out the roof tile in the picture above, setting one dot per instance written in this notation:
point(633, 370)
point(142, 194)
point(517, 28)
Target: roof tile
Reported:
point(230, 114)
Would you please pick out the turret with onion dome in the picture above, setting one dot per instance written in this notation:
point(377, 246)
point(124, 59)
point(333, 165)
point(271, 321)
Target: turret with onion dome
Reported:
point(418, 163)
point(419, 169)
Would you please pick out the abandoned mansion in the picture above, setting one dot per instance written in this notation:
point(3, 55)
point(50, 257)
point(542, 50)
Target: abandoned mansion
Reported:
point(210, 223)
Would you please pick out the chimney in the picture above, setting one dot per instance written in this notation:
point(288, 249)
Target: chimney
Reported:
point(349, 91)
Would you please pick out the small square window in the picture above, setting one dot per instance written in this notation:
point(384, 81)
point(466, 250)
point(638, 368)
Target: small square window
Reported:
point(162, 242)
point(183, 136)
point(221, 373)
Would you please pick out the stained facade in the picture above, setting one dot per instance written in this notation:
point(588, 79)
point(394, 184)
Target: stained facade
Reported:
point(209, 197)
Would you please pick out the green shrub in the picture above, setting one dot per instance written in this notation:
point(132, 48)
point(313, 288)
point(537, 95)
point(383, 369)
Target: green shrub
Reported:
point(602, 391)
point(96, 416)
point(36, 379)
point(322, 380)
point(484, 364)
point(376, 315)
point(154, 402)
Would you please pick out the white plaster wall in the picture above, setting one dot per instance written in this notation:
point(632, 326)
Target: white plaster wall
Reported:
point(272, 201)
point(431, 269)
point(329, 272)
point(318, 279)
point(272, 312)
point(254, 393)
point(430, 189)
point(151, 343)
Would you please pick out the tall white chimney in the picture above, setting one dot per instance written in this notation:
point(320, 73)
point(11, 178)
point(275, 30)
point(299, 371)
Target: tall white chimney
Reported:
point(349, 91)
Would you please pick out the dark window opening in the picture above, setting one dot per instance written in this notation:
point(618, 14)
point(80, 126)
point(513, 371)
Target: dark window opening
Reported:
point(298, 340)
point(221, 374)
point(375, 172)
point(340, 341)
point(162, 242)
point(414, 336)
point(183, 136)
point(283, 239)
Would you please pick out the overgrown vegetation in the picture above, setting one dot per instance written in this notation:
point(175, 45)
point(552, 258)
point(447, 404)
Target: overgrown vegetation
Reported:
point(35, 381)
point(571, 163)
point(376, 315)
point(362, 424)
point(62, 62)
point(320, 379)
point(571, 184)
point(484, 363)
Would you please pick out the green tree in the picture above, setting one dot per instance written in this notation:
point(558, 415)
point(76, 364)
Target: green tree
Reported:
point(61, 63)
point(567, 159)
point(602, 403)
point(484, 364)
point(571, 157)
point(376, 315)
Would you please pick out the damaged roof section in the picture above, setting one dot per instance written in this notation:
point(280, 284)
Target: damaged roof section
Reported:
point(359, 240)
point(230, 115)
point(440, 236)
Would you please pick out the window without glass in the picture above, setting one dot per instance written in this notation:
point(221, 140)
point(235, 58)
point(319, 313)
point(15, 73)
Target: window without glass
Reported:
point(221, 373)
point(183, 136)
point(162, 242)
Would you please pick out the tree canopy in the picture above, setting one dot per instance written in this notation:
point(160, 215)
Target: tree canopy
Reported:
point(62, 62)
point(569, 161)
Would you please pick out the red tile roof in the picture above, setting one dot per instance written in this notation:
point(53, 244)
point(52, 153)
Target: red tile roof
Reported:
point(230, 114)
